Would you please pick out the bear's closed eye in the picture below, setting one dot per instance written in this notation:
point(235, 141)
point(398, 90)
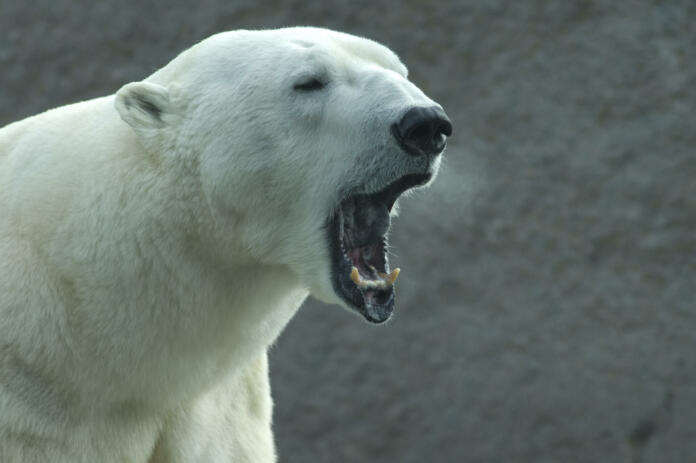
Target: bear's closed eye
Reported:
point(309, 85)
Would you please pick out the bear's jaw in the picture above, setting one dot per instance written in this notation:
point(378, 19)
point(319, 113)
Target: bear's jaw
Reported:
point(357, 232)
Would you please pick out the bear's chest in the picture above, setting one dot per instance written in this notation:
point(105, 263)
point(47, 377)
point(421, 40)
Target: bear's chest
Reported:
point(166, 343)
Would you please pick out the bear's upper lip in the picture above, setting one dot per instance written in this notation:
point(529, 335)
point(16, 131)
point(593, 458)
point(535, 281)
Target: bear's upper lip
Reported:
point(357, 241)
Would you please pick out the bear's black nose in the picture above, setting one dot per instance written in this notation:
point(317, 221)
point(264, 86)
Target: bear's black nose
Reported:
point(423, 130)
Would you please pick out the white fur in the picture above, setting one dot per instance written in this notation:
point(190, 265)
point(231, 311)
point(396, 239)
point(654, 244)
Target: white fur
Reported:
point(154, 243)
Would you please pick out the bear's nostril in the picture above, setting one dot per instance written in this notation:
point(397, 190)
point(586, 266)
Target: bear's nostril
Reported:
point(445, 128)
point(439, 141)
point(423, 130)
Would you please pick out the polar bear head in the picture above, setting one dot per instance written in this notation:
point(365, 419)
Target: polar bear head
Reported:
point(301, 140)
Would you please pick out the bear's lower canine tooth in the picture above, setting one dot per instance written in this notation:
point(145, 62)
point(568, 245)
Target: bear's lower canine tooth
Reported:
point(390, 278)
point(355, 276)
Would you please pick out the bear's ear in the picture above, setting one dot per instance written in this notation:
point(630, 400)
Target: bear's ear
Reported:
point(144, 105)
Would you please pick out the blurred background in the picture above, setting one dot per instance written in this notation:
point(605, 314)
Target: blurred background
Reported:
point(546, 308)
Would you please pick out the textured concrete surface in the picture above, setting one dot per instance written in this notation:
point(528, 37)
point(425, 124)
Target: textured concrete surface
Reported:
point(547, 303)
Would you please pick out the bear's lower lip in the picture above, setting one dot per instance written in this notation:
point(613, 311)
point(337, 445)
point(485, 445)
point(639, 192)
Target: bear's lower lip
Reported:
point(359, 264)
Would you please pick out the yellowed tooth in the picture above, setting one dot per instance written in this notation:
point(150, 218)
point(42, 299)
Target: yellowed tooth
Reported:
point(386, 279)
point(355, 276)
point(390, 278)
point(394, 275)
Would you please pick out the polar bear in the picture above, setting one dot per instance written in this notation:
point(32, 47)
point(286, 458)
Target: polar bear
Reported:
point(154, 243)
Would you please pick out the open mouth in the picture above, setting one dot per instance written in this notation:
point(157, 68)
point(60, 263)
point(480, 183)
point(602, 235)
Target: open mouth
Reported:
point(358, 243)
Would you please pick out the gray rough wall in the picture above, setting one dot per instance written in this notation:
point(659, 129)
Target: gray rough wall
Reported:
point(546, 308)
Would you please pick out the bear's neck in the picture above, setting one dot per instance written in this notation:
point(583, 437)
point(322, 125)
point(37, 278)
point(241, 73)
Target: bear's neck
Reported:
point(181, 310)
